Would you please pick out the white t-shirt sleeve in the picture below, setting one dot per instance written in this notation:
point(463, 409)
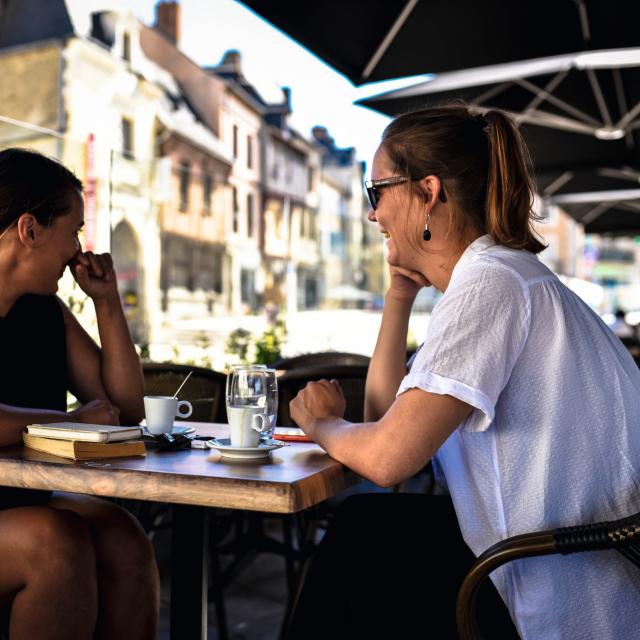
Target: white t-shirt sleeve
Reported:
point(476, 333)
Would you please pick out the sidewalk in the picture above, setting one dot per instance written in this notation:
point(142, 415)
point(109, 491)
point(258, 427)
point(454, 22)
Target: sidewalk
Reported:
point(255, 600)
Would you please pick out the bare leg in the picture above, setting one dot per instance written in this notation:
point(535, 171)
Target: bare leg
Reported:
point(128, 582)
point(48, 574)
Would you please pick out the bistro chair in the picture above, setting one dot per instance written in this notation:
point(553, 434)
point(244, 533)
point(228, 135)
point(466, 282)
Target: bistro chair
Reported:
point(352, 379)
point(325, 358)
point(622, 535)
point(205, 389)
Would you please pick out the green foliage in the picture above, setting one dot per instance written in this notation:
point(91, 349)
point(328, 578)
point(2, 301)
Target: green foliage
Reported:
point(268, 346)
point(143, 349)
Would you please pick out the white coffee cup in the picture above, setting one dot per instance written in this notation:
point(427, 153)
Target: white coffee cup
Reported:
point(246, 423)
point(160, 412)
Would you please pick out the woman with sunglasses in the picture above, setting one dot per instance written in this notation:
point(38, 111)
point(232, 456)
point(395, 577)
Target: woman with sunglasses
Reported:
point(72, 566)
point(524, 400)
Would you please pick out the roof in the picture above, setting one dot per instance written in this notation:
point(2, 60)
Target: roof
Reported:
point(27, 21)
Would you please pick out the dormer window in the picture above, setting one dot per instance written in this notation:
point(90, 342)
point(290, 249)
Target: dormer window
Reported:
point(127, 138)
point(126, 47)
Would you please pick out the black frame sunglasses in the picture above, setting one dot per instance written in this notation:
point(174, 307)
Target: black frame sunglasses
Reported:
point(374, 187)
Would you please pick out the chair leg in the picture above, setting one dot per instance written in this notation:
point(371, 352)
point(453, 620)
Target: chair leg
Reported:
point(289, 552)
point(216, 593)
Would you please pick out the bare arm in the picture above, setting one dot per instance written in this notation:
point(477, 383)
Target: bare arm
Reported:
point(112, 370)
point(388, 364)
point(14, 419)
point(386, 451)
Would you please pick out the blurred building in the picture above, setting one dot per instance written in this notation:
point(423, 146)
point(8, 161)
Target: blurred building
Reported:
point(194, 167)
point(208, 200)
point(564, 238)
point(98, 103)
point(347, 255)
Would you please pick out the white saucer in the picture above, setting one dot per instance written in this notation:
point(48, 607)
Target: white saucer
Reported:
point(223, 445)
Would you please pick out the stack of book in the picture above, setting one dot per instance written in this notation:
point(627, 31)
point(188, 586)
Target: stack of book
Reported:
point(82, 441)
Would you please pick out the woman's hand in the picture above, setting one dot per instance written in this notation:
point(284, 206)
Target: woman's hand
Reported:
point(97, 412)
point(95, 274)
point(321, 400)
point(405, 284)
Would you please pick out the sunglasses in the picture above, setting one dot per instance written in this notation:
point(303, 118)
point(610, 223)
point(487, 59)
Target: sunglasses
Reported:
point(374, 188)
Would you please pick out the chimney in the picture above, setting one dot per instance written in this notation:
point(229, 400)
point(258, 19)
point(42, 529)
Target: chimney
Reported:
point(232, 61)
point(286, 93)
point(168, 20)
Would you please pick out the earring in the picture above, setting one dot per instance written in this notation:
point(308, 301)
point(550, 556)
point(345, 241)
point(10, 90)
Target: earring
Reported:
point(426, 234)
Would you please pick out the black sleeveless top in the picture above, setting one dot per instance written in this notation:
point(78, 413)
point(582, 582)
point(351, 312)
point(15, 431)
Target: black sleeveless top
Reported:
point(33, 369)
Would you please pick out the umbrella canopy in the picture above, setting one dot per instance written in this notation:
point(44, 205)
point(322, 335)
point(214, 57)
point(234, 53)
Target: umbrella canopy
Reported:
point(579, 114)
point(372, 40)
point(601, 212)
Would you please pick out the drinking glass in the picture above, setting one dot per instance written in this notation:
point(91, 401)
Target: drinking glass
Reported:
point(272, 403)
point(254, 386)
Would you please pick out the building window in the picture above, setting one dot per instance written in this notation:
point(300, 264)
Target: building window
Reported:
point(184, 176)
point(207, 190)
point(126, 47)
point(247, 287)
point(235, 141)
point(127, 138)
point(249, 152)
point(250, 215)
point(217, 272)
point(313, 228)
point(236, 211)
point(288, 168)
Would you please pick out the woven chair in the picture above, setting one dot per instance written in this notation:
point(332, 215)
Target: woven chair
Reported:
point(352, 379)
point(622, 535)
point(322, 359)
point(205, 389)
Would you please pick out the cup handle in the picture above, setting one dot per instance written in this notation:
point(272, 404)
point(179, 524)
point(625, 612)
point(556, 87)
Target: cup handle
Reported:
point(263, 420)
point(187, 404)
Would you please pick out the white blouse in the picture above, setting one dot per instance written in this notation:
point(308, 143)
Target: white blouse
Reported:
point(553, 440)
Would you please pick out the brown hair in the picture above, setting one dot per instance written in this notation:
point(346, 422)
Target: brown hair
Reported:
point(482, 162)
point(31, 182)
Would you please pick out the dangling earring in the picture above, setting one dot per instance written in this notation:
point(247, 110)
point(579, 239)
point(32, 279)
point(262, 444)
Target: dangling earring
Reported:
point(426, 234)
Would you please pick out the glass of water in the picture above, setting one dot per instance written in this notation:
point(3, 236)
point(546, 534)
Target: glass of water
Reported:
point(254, 386)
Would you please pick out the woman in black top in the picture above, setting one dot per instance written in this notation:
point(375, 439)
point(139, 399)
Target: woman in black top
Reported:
point(71, 565)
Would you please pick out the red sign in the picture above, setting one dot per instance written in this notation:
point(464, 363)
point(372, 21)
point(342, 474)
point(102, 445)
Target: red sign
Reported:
point(90, 198)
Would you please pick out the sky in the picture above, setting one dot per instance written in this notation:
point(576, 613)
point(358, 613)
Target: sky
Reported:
point(270, 60)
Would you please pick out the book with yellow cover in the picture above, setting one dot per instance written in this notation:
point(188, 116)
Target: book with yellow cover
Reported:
point(81, 450)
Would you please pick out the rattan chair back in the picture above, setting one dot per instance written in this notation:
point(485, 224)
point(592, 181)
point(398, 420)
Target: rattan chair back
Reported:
point(322, 359)
point(205, 389)
point(352, 379)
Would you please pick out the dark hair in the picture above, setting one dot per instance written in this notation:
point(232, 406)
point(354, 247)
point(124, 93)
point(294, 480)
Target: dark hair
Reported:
point(482, 162)
point(33, 183)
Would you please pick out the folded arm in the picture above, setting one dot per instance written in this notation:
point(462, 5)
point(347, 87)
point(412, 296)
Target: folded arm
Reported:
point(386, 451)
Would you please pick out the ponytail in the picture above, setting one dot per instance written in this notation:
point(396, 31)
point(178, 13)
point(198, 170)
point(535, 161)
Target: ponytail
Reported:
point(509, 201)
point(483, 163)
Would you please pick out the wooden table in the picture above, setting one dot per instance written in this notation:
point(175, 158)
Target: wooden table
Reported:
point(294, 478)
